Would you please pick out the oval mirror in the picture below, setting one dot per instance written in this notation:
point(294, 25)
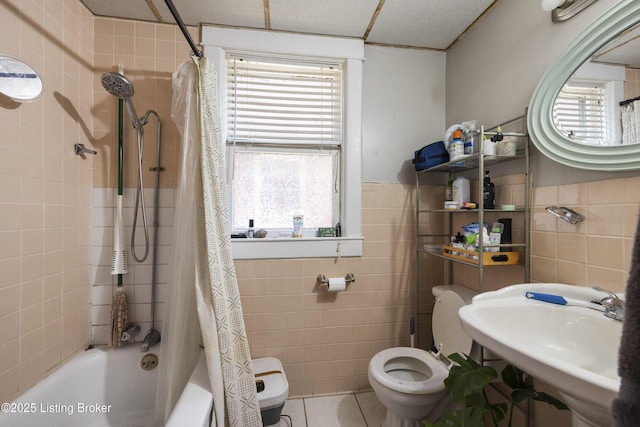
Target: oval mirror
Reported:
point(586, 79)
point(19, 81)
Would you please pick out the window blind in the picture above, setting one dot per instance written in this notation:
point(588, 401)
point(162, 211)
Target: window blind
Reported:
point(579, 112)
point(283, 103)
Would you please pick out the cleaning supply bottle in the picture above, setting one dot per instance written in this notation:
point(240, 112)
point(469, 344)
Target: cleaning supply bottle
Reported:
point(456, 147)
point(448, 194)
point(461, 190)
point(489, 193)
point(251, 230)
point(468, 143)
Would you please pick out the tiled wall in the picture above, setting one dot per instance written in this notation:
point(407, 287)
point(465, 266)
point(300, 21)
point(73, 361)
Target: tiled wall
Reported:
point(325, 341)
point(149, 53)
point(632, 83)
point(137, 281)
point(594, 252)
point(45, 193)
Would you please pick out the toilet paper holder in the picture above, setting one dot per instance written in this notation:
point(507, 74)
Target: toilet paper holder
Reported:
point(348, 279)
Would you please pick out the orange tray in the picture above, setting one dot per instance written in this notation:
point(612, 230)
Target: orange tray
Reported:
point(488, 258)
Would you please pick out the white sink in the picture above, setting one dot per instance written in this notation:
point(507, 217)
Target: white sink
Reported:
point(573, 349)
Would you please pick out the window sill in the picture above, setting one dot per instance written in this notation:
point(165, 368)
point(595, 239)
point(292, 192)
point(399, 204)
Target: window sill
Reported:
point(305, 247)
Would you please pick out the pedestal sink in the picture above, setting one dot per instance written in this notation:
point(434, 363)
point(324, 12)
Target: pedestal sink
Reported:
point(573, 349)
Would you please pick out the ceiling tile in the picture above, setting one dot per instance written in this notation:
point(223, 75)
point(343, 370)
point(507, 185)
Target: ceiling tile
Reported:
point(240, 13)
point(349, 18)
point(425, 23)
point(121, 9)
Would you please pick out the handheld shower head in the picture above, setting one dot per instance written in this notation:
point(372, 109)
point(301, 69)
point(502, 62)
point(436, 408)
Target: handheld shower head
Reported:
point(120, 86)
point(117, 85)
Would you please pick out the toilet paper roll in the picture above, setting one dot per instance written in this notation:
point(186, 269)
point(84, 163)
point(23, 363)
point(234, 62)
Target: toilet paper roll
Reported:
point(337, 284)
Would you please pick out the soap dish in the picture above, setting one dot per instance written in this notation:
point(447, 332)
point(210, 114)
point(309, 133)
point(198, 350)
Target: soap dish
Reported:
point(569, 215)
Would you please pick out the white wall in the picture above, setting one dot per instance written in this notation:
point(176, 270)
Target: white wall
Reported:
point(403, 109)
point(493, 71)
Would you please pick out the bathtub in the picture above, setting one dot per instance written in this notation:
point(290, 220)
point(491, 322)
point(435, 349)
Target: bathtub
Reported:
point(99, 387)
point(194, 408)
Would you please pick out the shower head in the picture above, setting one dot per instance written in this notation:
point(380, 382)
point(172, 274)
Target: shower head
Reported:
point(120, 86)
point(117, 85)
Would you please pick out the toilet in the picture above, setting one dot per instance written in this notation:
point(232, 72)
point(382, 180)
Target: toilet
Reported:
point(273, 388)
point(409, 382)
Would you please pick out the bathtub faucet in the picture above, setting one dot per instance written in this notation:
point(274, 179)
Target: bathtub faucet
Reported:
point(152, 338)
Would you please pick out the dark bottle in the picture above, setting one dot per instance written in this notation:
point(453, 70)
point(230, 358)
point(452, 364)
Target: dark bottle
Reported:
point(489, 193)
point(250, 231)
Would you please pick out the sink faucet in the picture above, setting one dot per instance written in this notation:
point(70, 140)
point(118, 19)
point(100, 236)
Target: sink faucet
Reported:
point(152, 338)
point(613, 306)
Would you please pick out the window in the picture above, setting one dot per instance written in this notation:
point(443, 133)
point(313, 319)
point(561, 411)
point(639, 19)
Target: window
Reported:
point(344, 154)
point(580, 113)
point(284, 126)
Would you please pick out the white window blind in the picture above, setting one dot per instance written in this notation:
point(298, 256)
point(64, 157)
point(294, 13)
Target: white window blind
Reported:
point(580, 113)
point(283, 103)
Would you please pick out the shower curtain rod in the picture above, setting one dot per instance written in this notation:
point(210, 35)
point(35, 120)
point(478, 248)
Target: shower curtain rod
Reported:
point(197, 52)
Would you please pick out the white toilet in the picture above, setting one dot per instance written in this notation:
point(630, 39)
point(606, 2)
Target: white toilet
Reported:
point(409, 382)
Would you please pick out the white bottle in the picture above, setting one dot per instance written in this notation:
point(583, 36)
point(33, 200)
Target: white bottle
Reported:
point(461, 190)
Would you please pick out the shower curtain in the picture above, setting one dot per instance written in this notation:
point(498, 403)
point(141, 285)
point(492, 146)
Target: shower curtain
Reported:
point(180, 329)
point(217, 295)
point(209, 272)
point(631, 123)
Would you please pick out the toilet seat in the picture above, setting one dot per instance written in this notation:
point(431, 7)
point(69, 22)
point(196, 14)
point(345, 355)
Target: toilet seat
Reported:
point(416, 363)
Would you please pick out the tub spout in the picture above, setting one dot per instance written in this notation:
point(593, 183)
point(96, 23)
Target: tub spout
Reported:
point(152, 338)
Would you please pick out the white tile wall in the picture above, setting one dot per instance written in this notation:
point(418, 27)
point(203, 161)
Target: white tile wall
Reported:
point(137, 282)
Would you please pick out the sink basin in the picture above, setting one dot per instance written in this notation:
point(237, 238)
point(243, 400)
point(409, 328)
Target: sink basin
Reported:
point(573, 349)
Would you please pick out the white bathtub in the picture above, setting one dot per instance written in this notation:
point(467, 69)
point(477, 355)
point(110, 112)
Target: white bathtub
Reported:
point(99, 387)
point(194, 408)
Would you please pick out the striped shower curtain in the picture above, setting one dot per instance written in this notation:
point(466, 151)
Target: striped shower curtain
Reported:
point(218, 299)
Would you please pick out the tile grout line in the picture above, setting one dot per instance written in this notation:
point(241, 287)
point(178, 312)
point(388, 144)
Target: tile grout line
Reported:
point(361, 410)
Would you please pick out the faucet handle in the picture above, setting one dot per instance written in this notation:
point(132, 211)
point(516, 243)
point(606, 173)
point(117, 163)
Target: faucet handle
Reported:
point(611, 294)
point(614, 306)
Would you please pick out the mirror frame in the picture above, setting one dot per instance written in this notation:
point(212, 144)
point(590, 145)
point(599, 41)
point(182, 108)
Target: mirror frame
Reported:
point(543, 132)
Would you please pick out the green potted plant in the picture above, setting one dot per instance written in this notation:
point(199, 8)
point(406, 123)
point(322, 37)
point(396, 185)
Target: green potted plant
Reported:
point(466, 385)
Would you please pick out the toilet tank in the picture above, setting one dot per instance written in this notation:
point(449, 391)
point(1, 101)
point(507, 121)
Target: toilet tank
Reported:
point(464, 292)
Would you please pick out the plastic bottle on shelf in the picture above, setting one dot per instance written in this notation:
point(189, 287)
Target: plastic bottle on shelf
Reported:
point(461, 190)
point(468, 143)
point(489, 193)
point(456, 147)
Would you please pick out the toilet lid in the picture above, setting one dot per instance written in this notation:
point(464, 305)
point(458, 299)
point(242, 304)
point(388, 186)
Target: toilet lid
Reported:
point(448, 334)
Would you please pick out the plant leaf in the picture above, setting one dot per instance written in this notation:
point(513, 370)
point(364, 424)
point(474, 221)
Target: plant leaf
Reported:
point(464, 382)
point(498, 410)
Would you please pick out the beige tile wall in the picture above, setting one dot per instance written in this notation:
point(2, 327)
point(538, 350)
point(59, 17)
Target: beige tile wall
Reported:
point(594, 252)
point(150, 53)
point(325, 341)
point(631, 83)
point(45, 193)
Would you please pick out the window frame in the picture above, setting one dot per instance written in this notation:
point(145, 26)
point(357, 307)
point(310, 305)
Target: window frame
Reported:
point(217, 42)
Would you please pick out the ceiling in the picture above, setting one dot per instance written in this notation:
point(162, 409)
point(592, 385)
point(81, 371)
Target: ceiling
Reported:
point(622, 50)
point(425, 24)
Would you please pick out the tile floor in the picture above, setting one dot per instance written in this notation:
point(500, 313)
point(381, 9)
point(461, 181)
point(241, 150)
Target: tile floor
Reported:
point(346, 410)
